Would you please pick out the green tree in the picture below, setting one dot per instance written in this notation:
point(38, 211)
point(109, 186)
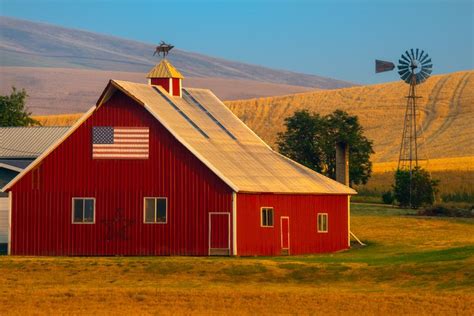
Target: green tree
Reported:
point(13, 111)
point(421, 191)
point(311, 140)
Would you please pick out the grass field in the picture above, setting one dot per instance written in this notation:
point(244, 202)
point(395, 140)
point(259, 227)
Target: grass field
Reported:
point(411, 266)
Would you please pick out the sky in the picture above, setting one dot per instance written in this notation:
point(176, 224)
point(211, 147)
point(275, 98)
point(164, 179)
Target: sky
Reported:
point(337, 39)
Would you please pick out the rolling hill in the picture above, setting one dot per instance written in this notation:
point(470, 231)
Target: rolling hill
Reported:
point(66, 90)
point(446, 112)
point(30, 44)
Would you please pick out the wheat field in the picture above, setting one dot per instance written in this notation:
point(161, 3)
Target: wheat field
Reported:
point(445, 115)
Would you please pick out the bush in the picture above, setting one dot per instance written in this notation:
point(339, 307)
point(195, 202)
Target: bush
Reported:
point(467, 197)
point(439, 210)
point(421, 191)
point(387, 197)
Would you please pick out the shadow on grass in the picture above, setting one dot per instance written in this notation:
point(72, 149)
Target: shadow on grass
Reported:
point(366, 255)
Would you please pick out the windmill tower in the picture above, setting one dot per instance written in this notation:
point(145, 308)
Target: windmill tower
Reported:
point(414, 67)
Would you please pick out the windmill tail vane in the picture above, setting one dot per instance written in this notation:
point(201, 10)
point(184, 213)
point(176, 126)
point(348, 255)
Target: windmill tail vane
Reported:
point(382, 66)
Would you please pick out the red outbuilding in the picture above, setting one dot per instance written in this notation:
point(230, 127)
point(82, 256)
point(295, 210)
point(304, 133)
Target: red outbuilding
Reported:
point(157, 169)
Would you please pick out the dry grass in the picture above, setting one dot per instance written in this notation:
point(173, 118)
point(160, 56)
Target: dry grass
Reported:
point(450, 182)
point(440, 164)
point(58, 119)
point(412, 266)
point(446, 111)
point(456, 176)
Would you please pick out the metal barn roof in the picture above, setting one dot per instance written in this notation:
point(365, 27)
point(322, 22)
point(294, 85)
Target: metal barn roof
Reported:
point(27, 142)
point(164, 70)
point(207, 128)
point(203, 124)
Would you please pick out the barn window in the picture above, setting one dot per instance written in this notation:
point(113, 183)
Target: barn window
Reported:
point(322, 222)
point(156, 210)
point(267, 216)
point(83, 210)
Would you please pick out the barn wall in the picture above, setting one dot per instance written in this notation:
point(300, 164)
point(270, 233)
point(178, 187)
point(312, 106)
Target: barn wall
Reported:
point(252, 239)
point(41, 218)
point(164, 82)
point(176, 86)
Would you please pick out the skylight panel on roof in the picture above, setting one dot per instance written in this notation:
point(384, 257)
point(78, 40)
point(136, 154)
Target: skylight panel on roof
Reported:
point(188, 97)
point(181, 112)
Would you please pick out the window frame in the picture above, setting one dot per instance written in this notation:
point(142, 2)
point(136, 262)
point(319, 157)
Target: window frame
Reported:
point(156, 205)
point(72, 210)
point(327, 222)
point(261, 217)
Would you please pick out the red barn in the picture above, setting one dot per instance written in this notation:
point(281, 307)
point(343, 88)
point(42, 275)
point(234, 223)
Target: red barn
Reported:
point(157, 169)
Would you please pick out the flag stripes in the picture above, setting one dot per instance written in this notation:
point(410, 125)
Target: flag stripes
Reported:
point(120, 142)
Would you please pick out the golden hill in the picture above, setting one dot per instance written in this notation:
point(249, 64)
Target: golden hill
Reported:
point(446, 114)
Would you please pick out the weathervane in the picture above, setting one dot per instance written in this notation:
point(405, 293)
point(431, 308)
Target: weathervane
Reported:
point(163, 49)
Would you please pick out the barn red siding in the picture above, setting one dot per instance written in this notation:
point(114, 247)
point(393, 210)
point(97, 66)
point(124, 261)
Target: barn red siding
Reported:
point(164, 82)
point(302, 212)
point(176, 86)
point(41, 218)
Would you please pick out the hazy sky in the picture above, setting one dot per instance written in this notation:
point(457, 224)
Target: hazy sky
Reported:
point(338, 39)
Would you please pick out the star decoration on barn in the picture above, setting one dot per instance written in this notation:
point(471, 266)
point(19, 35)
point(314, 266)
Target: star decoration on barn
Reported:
point(116, 228)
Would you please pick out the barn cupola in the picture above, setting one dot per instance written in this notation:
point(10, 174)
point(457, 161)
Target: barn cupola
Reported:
point(164, 74)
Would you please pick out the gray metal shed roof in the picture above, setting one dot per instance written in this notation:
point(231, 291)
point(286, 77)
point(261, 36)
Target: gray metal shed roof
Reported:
point(28, 142)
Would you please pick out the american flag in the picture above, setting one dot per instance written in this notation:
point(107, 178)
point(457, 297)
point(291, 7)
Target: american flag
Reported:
point(120, 142)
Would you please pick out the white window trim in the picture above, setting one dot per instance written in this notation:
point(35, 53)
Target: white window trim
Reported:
point(261, 218)
point(72, 210)
point(156, 204)
point(327, 223)
point(281, 232)
point(210, 228)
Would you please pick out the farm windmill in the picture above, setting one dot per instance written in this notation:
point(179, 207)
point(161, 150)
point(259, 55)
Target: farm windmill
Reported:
point(414, 68)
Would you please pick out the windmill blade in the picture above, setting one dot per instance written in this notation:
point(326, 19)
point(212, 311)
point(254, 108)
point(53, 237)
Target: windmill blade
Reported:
point(422, 60)
point(412, 54)
point(427, 66)
point(403, 72)
point(426, 61)
point(404, 75)
point(423, 77)
point(418, 78)
point(403, 62)
point(427, 70)
point(417, 53)
point(408, 56)
point(403, 68)
point(407, 59)
point(381, 66)
point(421, 54)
